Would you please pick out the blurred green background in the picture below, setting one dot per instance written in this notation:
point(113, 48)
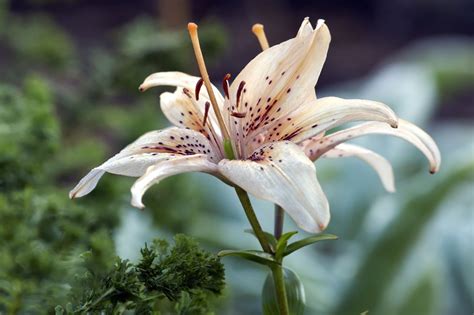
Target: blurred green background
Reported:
point(69, 72)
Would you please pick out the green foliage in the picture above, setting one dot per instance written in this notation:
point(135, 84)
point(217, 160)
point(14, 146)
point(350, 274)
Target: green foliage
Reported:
point(42, 232)
point(182, 278)
point(29, 133)
point(145, 47)
point(3, 15)
point(185, 267)
point(374, 275)
point(38, 40)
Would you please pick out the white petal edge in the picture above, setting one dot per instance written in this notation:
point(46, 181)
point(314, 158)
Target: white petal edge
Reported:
point(376, 161)
point(406, 130)
point(178, 165)
point(281, 173)
point(329, 112)
point(178, 79)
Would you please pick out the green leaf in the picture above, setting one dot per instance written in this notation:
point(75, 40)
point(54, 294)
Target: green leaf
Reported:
point(375, 276)
point(308, 241)
point(281, 245)
point(269, 236)
point(252, 255)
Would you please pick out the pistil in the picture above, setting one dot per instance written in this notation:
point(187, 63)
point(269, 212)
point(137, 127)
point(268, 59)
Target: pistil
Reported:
point(257, 29)
point(193, 33)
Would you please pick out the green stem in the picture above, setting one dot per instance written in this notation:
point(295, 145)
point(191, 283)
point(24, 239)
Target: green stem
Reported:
point(279, 219)
point(250, 213)
point(280, 289)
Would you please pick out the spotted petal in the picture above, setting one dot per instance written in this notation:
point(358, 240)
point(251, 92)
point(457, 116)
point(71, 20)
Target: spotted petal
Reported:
point(281, 173)
point(378, 163)
point(321, 115)
point(151, 148)
point(405, 130)
point(279, 79)
point(183, 110)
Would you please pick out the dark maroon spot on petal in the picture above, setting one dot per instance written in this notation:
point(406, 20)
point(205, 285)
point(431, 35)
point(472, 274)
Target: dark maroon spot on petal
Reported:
point(238, 114)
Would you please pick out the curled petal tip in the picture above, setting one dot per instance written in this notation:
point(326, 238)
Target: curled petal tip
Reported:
point(394, 124)
point(138, 204)
point(141, 88)
point(322, 226)
point(72, 195)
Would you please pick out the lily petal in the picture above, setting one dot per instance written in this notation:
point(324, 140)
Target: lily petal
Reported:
point(405, 130)
point(174, 166)
point(378, 163)
point(151, 148)
point(321, 115)
point(281, 173)
point(281, 78)
point(184, 111)
point(178, 79)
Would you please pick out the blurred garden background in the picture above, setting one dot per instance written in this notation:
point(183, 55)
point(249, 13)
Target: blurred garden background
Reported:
point(69, 76)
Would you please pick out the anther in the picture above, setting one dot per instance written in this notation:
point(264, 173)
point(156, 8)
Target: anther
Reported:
point(239, 93)
point(206, 112)
point(198, 88)
point(225, 85)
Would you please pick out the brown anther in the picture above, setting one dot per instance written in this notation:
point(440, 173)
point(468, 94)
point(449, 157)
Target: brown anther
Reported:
point(206, 112)
point(239, 93)
point(225, 85)
point(198, 88)
point(238, 115)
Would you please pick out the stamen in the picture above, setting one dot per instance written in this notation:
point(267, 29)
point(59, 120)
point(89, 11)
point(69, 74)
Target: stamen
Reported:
point(193, 33)
point(198, 88)
point(238, 114)
point(225, 85)
point(239, 93)
point(257, 29)
point(206, 112)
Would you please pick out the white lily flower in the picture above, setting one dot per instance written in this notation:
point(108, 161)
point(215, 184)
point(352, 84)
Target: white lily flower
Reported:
point(275, 123)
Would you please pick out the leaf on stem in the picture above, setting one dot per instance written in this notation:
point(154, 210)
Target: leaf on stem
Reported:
point(269, 236)
point(252, 255)
point(308, 241)
point(281, 245)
